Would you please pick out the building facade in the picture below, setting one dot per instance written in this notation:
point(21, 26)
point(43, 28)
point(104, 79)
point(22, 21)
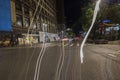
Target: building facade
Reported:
point(27, 13)
point(29, 16)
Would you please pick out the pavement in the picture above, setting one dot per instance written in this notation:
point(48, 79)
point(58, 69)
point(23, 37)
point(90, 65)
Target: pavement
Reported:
point(58, 61)
point(29, 45)
point(108, 50)
point(101, 62)
point(117, 42)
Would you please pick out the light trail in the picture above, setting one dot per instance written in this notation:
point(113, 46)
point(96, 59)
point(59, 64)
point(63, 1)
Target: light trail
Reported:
point(38, 15)
point(39, 58)
point(60, 62)
point(39, 66)
point(42, 51)
point(86, 36)
point(68, 63)
point(63, 59)
point(33, 18)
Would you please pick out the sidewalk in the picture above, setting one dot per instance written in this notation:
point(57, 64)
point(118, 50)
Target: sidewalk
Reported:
point(114, 42)
point(30, 45)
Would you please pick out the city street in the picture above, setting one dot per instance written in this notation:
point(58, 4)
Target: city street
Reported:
point(101, 62)
point(59, 40)
point(60, 61)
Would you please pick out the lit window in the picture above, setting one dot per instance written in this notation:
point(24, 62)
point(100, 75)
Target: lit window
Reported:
point(19, 20)
point(34, 25)
point(27, 22)
point(26, 9)
point(18, 5)
point(38, 25)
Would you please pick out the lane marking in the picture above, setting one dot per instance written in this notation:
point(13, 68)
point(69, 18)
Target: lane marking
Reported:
point(112, 55)
point(71, 45)
point(66, 44)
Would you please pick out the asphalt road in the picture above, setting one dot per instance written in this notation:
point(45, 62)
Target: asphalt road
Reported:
point(60, 61)
point(101, 62)
point(20, 63)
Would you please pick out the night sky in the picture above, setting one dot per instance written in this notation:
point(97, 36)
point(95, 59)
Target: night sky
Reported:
point(73, 14)
point(72, 10)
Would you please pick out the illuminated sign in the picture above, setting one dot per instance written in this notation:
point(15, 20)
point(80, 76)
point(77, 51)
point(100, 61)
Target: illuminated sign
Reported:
point(106, 21)
point(5, 16)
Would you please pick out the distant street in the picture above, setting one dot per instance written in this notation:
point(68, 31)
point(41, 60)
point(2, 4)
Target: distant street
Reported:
point(60, 61)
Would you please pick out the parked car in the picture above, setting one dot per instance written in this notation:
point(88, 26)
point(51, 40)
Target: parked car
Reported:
point(101, 41)
point(76, 38)
point(90, 41)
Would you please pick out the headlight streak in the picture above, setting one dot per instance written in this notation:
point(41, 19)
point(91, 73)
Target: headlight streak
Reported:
point(60, 62)
point(86, 36)
point(33, 19)
point(42, 51)
point(36, 76)
point(58, 65)
point(37, 16)
point(68, 63)
point(63, 57)
point(39, 66)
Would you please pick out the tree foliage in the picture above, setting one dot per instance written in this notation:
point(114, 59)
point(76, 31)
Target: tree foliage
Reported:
point(87, 14)
point(111, 12)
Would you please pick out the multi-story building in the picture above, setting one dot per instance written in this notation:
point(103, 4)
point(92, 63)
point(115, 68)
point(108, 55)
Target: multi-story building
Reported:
point(32, 15)
point(23, 12)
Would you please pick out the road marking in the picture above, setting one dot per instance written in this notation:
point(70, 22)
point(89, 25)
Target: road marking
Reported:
point(66, 44)
point(59, 45)
point(112, 55)
point(71, 45)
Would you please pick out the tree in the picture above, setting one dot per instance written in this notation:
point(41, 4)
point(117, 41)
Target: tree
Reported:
point(87, 14)
point(111, 12)
point(70, 33)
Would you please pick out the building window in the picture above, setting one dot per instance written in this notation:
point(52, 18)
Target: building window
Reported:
point(27, 1)
point(18, 5)
point(19, 20)
point(27, 22)
point(38, 25)
point(34, 25)
point(26, 9)
point(34, 5)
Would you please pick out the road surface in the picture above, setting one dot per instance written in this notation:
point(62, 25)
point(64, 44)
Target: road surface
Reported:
point(60, 61)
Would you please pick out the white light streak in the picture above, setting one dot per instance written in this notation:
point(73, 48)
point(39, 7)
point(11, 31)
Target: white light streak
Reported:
point(93, 21)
